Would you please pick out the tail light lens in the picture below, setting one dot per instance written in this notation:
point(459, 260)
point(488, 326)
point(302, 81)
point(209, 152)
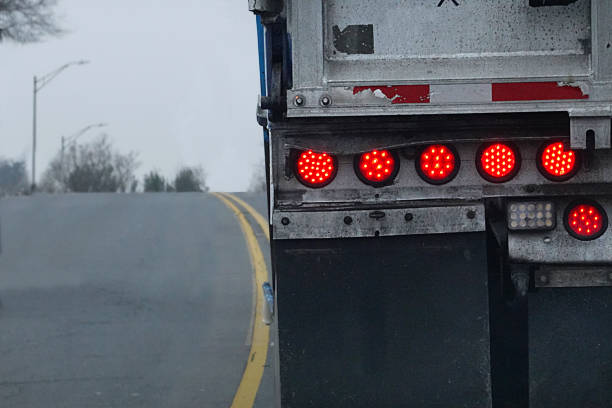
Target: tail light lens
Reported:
point(315, 169)
point(438, 164)
point(498, 162)
point(556, 162)
point(586, 220)
point(377, 168)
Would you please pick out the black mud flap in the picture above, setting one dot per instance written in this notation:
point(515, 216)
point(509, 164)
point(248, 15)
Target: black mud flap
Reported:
point(570, 348)
point(383, 322)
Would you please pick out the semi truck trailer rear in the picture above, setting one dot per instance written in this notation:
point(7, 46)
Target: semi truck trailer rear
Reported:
point(440, 181)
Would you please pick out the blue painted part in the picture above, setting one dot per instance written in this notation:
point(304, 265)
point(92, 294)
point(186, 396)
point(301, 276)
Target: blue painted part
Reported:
point(262, 56)
point(263, 88)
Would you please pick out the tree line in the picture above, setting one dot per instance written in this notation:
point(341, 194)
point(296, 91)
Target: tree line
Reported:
point(97, 167)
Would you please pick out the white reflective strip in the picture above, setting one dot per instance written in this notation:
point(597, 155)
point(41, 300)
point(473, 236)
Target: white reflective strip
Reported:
point(468, 93)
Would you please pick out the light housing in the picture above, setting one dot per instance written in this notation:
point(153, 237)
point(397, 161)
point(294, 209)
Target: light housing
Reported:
point(377, 168)
point(498, 162)
point(531, 215)
point(556, 162)
point(438, 164)
point(585, 220)
point(315, 169)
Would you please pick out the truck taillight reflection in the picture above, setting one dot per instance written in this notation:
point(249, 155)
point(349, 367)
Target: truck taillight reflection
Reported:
point(377, 167)
point(586, 220)
point(315, 169)
point(438, 164)
point(498, 162)
point(556, 162)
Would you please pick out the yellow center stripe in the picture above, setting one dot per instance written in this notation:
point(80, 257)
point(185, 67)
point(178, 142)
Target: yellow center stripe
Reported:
point(251, 378)
point(258, 218)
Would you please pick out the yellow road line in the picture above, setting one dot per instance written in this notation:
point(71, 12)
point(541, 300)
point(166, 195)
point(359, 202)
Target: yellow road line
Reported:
point(260, 220)
point(251, 377)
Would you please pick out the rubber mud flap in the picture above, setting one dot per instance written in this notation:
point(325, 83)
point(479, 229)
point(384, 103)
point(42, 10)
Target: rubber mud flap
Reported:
point(570, 348)
point(383, 322)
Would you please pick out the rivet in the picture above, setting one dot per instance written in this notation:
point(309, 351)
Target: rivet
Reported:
point(285, 221)
point(408, 217)
point(471, 214)
point(543, 278)
point(325, 100)
point(348, 220)
point(298, 100)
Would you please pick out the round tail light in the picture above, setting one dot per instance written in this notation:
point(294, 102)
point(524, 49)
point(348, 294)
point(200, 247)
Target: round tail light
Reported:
point(377, 168)
point(585, 220)
point(556, 162)
point(438, 164)
point(315, 169)
point(498, 162)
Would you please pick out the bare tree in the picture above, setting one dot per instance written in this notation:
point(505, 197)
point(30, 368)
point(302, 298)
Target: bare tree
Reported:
point(258, 183)
point(13, 177)
point(91, 167)
point(26, 21)
point(190, 179)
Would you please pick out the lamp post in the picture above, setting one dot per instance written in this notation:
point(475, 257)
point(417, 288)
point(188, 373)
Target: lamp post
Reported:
point(40, 83)
point(72, 139)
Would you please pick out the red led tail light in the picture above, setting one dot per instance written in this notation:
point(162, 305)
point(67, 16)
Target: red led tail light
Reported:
point(498, 162)
point(315, 169)
point(586, 220)
point(377, 168)
point(438, 164)
point(556, 162)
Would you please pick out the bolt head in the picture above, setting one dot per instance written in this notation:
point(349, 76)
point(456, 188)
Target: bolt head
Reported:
point(285, 221)
point(325, 100)
point(543, 278)
point(348, 220)
point(298, 100)
point(408, 217)
point(471, 214)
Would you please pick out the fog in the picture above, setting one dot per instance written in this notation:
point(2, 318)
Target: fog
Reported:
point(176, 81)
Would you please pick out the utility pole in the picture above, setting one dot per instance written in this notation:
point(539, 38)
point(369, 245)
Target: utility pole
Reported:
point(35, 92)
point(39, 83)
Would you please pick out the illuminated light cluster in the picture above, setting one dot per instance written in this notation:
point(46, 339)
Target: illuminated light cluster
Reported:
point(531, 215)
point(586, 221)
point(557, 162)
point(438, 164)
point(315, 169)
point(377, 166)
point(498, 162)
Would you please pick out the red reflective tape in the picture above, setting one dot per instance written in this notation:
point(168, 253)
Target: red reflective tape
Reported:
point(535, 91)
point(400, 93)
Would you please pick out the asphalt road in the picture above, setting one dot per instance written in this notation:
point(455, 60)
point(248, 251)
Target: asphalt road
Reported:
point(124, 300)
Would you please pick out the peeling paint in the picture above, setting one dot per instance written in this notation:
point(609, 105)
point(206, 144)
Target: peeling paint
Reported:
point(398, 94)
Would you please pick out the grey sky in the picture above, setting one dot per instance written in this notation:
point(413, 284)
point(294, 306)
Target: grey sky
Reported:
point(176, 80)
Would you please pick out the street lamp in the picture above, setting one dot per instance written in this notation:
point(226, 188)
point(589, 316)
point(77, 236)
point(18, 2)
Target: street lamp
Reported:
point(40, 83)
point(72, 139)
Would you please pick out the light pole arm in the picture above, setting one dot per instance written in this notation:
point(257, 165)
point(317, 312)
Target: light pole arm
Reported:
point(42, 81)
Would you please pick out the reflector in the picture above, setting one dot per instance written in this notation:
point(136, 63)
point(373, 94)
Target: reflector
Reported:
point(586, 220)
point(377, 168)
point(556, 162)
point(498, 162)
point(531, 215)
point(315, 169)
point(438, 164)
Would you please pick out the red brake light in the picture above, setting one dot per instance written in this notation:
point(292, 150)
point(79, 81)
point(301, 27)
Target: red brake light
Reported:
point(315, 169)
point(498, 162)
point(556, 162)
point(377, 168)
point(438, 164)
point(586, 220)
